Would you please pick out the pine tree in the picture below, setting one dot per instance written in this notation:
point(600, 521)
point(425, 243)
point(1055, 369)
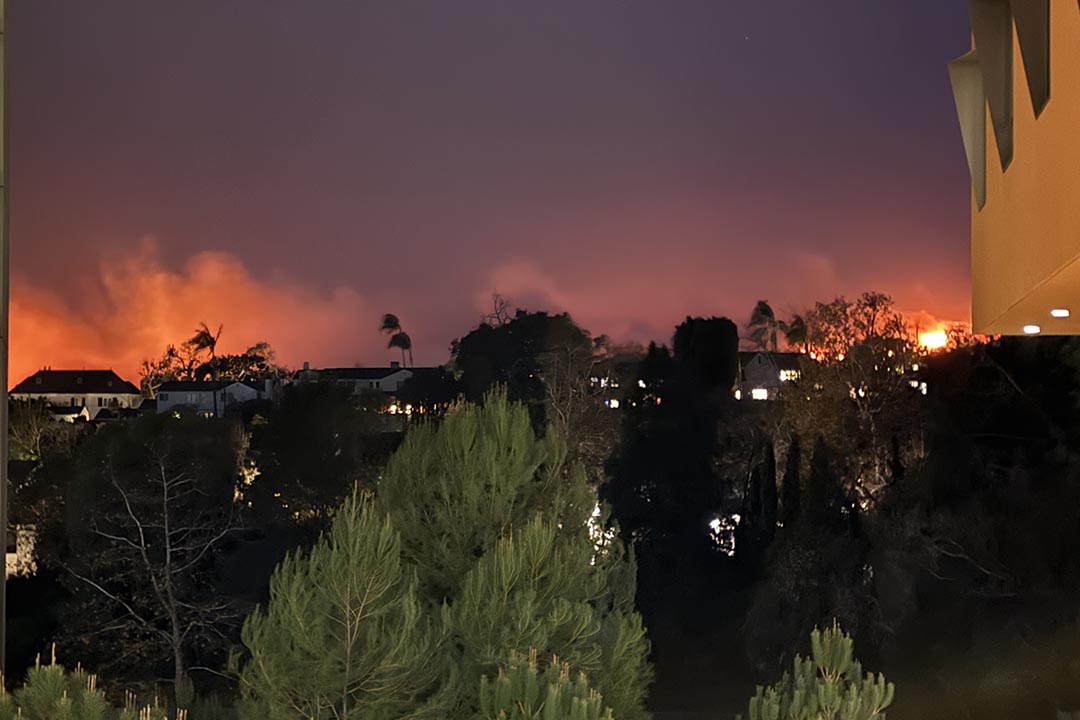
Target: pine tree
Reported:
point(540, 590)
point(343, 635)
point(829, 685)
point(455, 488)
point(498, 532)
point(522, 692)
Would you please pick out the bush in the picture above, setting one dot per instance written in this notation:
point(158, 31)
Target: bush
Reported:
point(829, 685)
point(522, 692)
point(51, 692)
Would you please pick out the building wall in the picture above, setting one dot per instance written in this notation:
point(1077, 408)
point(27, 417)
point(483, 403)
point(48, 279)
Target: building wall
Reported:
point(1027, 230)
point(201, 400)
point(93, 402)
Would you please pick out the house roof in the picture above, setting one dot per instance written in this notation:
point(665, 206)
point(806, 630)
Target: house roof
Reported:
point(193, 385)
point(206, 386)
point(67, 409)
point(68, 382)
point(352, 373)
point(782, 361)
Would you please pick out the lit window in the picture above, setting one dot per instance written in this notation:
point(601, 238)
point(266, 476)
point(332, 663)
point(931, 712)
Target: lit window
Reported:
point(1032, 329)
point(738, 394)
point(641, 383)
point(613, 404)
point(760, 393)
point(923, 388)
point(1060, 313)
point(789, 375)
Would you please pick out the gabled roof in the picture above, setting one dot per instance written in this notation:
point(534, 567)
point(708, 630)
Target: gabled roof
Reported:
point(75, 382)
point(351, 373)
point(782, 361)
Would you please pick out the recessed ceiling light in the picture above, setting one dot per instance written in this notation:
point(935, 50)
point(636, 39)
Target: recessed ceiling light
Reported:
point(1032, 329)
point(1060, 312)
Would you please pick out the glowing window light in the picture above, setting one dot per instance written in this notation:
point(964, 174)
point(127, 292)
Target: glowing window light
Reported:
point(840, 357)
point(1060, 313)
point(1032, 329)
point(934, 340)
point(641, 384)
point(613, 404)
point(789, 375)
point(760, 393)
point(738, 394)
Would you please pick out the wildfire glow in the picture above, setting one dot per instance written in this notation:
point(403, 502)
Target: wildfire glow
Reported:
point(934, 340)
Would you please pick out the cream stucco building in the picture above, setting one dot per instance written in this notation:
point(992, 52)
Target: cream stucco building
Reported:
point(1018, 99)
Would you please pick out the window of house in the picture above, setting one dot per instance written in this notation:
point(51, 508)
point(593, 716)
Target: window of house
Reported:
point(163, 396)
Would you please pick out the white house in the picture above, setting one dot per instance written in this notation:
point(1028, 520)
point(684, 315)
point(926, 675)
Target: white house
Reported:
point(762, 373)
point(210, 398)
point(386, 380)
point(92, 389)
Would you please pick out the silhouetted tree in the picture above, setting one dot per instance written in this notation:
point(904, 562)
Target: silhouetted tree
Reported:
point(398, 337)
point(792, 488)
point(706, 353)
point(148, 510)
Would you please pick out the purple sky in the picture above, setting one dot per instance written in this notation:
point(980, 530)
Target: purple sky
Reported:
point(293, 170)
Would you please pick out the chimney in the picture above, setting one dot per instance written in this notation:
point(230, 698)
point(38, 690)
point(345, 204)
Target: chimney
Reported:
point(395, 365)
point(307, 365)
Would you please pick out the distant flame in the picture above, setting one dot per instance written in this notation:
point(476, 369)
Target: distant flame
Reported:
point(934, 340)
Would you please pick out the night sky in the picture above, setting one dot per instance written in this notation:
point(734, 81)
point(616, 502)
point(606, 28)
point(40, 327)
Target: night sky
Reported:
point(294, 169)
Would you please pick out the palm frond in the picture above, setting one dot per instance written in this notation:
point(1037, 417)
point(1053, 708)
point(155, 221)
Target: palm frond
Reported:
point(390, 324)
point(400, 340)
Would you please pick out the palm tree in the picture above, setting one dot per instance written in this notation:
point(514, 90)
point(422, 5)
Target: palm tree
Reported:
point(763, 325)
point(794, 331)
point(206, 340)
point(398, 337)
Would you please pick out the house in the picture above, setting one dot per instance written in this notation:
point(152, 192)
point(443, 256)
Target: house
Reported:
point(386, 380)
point(212, 398)
point(1017, 96)
point(92, 389)
point(72, 413)
point(761, 374)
